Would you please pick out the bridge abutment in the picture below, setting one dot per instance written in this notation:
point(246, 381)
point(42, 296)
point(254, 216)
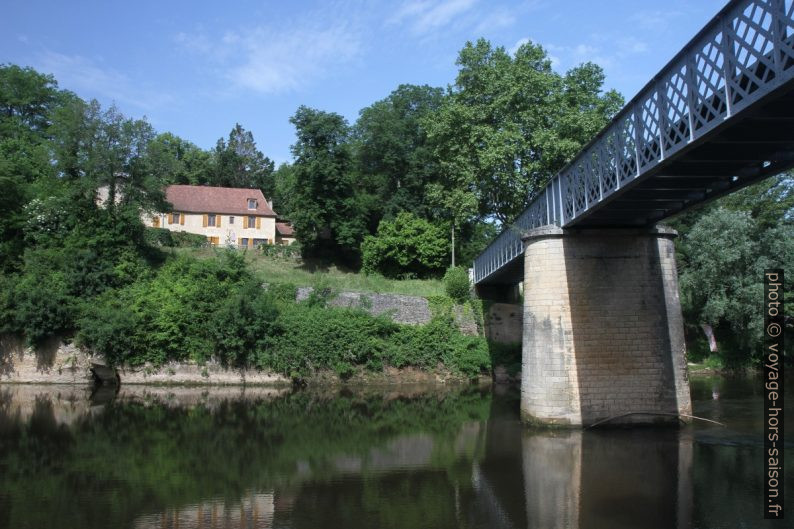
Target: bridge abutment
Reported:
point(603, 331)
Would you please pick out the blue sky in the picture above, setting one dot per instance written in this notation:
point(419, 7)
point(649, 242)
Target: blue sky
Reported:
point(196, 68)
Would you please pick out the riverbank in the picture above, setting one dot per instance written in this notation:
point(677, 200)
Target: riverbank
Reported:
point(58, 362)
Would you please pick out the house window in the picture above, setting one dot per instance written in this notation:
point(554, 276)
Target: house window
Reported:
point(231, 220)
point(211, 220)
point(252, 222)
point(176, 218)
point(251, 203)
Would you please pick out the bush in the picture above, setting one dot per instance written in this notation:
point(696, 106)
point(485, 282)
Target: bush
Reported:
point(315, 338)
point(168, 317)
point(407, 246)
point(44, 306)
point(158, 237)
point(243, 326)
point(438, 343)
point(457, 285)
point(283, 291)
point(183, 239)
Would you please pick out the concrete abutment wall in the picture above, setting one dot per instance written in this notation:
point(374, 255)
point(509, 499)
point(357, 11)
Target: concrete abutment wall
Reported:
point(603, 331)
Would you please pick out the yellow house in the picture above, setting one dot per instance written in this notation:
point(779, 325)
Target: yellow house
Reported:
point(226, 216)
point(285, 233)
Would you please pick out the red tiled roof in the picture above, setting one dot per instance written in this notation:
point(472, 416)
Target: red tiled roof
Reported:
point(284, 229)
point(228, 200)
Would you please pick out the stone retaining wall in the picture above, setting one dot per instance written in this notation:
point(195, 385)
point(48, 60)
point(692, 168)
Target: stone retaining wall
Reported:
point(409, 310)
point(64, 363)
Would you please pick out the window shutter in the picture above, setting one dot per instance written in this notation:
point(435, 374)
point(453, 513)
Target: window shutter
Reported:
point(258, 222)
point(182, 219)
point(204, 220)
point(239, 241)
point(170, 218)
point(217, 221)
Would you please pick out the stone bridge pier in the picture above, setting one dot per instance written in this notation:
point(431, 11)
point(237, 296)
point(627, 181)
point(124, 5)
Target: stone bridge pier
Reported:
point(603, 331)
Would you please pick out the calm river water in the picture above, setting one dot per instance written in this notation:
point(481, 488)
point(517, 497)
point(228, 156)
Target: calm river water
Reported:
point(402, 458)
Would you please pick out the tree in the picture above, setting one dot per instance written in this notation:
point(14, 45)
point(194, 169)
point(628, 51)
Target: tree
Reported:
point(407, 246)
point(26, 99)
point(323, 205)
point(180, 161)
point(722, 250)
point(509, 123)
point(393, 159)
point(238, 163)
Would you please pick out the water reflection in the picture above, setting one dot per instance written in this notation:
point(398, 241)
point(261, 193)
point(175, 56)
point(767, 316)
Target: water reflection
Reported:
point(416, 457)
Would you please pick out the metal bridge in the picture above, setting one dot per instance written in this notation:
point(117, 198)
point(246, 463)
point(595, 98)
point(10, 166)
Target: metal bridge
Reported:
point(718, 117)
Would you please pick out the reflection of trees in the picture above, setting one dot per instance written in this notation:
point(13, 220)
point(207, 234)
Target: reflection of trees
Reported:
point(140, 457)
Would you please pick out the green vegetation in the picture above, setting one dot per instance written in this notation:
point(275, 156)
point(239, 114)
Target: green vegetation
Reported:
point(480, 150)
point(76, 266)
point(457, 284)
point(722, 253)
point(193, 309)
point(310, 272)
point(406, 247)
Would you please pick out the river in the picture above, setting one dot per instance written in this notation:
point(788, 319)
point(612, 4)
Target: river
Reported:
point(407, 457)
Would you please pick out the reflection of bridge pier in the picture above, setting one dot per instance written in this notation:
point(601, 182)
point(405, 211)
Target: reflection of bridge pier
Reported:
point(607, 479)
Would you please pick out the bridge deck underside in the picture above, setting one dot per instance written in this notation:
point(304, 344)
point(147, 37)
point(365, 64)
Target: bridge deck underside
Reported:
point(759, 143)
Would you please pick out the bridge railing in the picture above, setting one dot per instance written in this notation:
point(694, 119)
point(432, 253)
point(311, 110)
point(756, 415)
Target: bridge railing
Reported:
point(743, 53)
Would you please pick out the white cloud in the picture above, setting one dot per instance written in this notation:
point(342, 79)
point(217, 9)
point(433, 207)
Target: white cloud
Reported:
point(86, 77)
point(654, 20)
point(270, 59)
point(424, 16)
point(494, 20)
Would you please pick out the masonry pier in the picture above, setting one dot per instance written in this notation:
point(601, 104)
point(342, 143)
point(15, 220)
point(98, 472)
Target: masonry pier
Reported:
point(603, 331)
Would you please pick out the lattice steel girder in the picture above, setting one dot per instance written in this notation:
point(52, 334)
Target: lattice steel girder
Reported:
point(730, 85)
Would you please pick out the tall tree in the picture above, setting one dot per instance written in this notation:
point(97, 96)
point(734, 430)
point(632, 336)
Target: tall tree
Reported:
point(27, 99)
point(180, 161)
point(320, 194)
point(393, 158)
point(511, 122)
point(722, 251)
point(238, 163)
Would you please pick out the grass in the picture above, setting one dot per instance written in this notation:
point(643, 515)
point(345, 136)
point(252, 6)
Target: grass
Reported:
point(303, 273)
point(708, 364)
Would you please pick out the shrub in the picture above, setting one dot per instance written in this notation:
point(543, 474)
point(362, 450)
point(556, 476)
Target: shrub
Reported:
point(457, 285)
point(110, 326)
point(439, 342)
point(43, 303)
point(283, 291)
point(168, 317)
point(407, 246)
point(315, 338)
point(243, 326)
point(158, 237)
point(183, 239)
